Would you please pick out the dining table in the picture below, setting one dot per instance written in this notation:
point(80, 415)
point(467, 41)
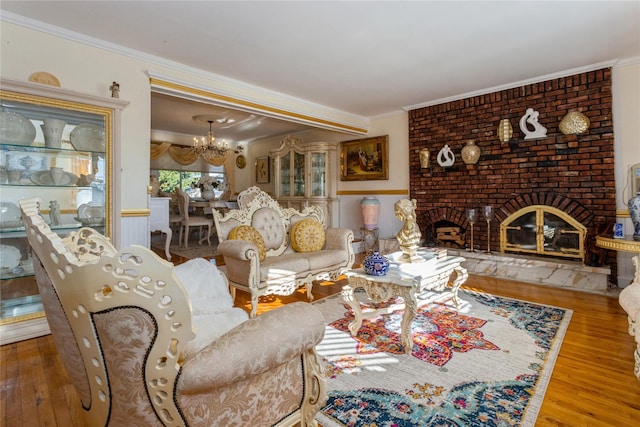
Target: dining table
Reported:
point(200, 206)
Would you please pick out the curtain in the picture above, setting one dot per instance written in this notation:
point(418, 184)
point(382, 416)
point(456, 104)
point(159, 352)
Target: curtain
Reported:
point(184, 155)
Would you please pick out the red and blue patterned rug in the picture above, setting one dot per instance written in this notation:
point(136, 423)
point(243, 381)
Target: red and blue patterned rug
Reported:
point(486, 363)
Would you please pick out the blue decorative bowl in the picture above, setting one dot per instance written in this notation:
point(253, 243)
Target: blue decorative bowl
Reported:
point(375, 264)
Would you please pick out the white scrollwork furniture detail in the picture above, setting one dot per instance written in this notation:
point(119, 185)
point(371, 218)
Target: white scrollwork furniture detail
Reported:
point(409, 281)
point(147, 343)
point(282, 270)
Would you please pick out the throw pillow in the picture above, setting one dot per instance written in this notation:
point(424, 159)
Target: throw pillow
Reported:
point(212, 311)
point(250, 234)
point(307, 235)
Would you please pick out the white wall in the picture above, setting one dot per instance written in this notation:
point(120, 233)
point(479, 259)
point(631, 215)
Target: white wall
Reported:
point(626, 124)
point(86, 69)
point(92, 70)
point(387, 191)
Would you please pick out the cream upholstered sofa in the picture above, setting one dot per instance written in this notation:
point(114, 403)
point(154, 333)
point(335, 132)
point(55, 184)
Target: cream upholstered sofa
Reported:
point(268, 249)
point(146, 343)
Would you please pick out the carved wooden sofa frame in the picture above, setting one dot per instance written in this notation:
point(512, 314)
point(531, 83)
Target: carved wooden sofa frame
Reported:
point(283, 270)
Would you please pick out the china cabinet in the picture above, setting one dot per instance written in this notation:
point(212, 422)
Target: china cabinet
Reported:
point(305, 175)
point(55, 145)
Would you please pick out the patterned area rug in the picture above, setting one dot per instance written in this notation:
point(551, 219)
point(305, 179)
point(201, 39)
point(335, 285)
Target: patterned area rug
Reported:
point(486, 364)
point(194, 250)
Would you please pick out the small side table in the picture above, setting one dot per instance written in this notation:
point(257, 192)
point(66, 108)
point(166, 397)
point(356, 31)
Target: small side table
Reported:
point(627, 244)
point(407, 281)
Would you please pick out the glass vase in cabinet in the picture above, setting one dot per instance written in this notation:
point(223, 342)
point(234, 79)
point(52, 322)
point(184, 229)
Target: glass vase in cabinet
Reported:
point(55, 145)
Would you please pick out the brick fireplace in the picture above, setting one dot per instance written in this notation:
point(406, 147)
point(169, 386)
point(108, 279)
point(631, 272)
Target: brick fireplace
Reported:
point(573, 173)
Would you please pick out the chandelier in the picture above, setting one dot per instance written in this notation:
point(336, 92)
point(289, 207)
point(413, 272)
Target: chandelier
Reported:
point(209, 146)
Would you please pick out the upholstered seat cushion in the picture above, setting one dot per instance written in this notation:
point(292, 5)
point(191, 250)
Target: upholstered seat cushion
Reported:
point(307, 235)
point(292, 264)
point(212, 311)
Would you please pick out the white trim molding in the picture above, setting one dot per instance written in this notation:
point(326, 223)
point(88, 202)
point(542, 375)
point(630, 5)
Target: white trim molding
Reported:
point(566, 73)
point(238, 95)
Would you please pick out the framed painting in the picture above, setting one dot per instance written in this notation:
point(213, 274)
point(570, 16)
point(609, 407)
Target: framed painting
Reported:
point(365, 159)
point(263, 170)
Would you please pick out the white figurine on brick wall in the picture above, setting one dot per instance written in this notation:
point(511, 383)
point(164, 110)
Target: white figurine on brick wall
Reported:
point(531, 118)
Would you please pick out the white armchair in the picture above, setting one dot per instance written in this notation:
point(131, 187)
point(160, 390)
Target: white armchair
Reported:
point(145, 343)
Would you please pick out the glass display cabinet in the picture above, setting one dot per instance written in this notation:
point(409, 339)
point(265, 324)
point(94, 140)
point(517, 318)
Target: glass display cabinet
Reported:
point(305, 174)
point(55, 145)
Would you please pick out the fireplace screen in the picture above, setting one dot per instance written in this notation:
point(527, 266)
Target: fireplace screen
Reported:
point(543, 230)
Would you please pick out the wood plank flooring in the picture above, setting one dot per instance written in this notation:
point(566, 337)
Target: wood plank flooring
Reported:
point(592, 383)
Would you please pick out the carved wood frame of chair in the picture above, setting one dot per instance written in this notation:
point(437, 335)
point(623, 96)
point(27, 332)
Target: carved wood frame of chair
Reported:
point(86, 284)
point(242, 263)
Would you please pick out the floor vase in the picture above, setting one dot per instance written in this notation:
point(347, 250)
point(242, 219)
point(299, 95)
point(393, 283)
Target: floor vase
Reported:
point(370, 209)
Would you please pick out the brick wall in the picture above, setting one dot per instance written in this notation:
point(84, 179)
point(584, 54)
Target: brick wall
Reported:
point(573, 168)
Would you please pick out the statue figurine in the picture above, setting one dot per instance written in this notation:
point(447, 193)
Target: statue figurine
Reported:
point(531, 118)
point(446, 157)
point(409, 235)
point(54, 213)
point(115, 90)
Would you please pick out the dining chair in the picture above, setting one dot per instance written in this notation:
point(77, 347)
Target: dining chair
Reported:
point(175, 219)
point(189, 221)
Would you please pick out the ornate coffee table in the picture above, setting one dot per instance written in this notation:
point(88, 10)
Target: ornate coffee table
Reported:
point(407, 281)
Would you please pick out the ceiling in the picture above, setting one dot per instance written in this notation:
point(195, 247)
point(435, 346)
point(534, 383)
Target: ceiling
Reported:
point(172, 120)
point(363, 58)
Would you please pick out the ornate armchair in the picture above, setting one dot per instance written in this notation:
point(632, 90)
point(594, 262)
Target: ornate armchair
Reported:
point(146, 343)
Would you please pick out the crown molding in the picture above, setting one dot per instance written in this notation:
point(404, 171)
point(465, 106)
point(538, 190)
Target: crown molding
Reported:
point(234, 93)
point(291, 109)
point(560, 74)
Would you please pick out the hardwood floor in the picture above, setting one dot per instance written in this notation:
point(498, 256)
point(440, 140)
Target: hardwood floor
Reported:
point(592, 383)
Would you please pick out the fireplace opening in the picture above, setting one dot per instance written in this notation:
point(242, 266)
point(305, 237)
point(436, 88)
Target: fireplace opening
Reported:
point(449, 234)
point(543, 230)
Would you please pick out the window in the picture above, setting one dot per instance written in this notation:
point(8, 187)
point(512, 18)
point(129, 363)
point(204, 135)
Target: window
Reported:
point(188, 181)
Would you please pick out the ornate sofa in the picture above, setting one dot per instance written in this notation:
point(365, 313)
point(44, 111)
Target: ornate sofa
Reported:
point(268, 249)
point(146, 343)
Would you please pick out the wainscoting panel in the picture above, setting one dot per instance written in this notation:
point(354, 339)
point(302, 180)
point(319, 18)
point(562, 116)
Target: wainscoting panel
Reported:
point(135, 231)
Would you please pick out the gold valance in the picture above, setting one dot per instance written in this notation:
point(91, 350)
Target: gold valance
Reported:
point(182, 154)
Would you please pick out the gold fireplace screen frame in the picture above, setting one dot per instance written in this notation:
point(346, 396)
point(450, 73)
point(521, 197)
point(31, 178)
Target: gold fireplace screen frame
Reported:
point(540, 210)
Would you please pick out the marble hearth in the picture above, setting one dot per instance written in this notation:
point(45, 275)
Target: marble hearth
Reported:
point(548, 272)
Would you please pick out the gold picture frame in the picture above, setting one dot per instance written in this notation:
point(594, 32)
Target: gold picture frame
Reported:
point(263, 170)
point(365, 159)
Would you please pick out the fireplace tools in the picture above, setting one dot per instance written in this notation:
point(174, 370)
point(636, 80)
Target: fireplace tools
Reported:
point(472, 217)
point(488, 216)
